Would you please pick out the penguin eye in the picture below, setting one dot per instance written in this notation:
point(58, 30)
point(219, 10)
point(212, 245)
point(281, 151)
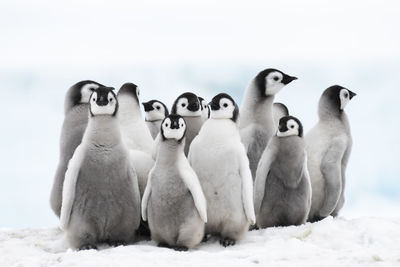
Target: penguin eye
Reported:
point(166, 125)
point(110, 99)
point(276, 78)
point(346, 95)
point(183, 105)
point(225, 105)
point(181, 124)
point(158, 107)
point(94, 99)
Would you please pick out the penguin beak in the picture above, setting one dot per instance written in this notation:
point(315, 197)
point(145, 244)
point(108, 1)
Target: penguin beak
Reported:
point(288, 79)
point(213, 105)
point(174, 125)
point(352, 94)
point(147, 107)
point(193, 106)
point(102, 101)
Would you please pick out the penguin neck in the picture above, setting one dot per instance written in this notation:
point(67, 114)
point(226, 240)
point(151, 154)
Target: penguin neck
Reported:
point(103, 130)
point(78, 109)
point(256, 108)
point(168, 150)
point(328, 112)
point(129, 109)
point(219, 129)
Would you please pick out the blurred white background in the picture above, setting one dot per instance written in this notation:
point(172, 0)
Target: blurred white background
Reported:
point(169, 47)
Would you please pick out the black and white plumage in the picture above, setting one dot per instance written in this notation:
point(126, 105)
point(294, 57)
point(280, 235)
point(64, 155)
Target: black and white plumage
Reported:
point(101, 198)
point(328, 146)
point(205, 109)
point(173, 202)
point(256, 123)
point(75, 121)
point(282, 186)
point(187, 105)
point(155, 113)
point(219, 159)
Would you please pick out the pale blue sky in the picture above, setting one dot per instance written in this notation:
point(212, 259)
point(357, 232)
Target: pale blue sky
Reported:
point(206, 47)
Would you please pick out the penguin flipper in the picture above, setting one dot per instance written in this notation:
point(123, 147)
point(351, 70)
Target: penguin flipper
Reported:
point(192, 182)
point(331, 171)
point(247, 185)
point(146, 196)
point(69, 186)
point(263, 169)
point(136, 192)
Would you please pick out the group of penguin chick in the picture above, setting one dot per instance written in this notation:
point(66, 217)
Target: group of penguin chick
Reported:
point(202, 170)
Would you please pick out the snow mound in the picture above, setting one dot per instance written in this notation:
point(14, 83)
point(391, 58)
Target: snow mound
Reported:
point(331, 242)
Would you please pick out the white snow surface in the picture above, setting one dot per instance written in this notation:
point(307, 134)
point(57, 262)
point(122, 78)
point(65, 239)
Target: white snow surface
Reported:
point(331, 242)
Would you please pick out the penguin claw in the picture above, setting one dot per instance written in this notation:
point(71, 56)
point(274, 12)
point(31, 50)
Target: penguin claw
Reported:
point(87, 247)
point(227, 242)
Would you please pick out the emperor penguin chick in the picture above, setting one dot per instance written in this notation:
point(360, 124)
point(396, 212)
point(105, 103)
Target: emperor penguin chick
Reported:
point(219, 159)
point(256, 123)
point(187, 105)
point(135, 133)
point(155, 113)
point(282, 189)
point(173, 202)
point(101, 200)
point(76, 108)
point(205, 109)
point(279, 111)
point(328, 146)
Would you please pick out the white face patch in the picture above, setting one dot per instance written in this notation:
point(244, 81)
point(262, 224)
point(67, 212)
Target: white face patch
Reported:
point(86, 92)
point(158, 113)
point(344, 98)
point(108, 109)
point(176, 134)
point(225, 111)
point(293, 129)
point(181, 109)
point(273, 83)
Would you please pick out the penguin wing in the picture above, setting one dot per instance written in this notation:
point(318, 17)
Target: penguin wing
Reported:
point(136, 192)
point(192, 182)
point(155, 146)
point(146, 196)
point(263, 169)
point(71, 178)
point(247, 185)
point(331, 171)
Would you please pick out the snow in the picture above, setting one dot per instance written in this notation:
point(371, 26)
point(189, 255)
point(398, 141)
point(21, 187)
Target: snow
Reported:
point(332, 242)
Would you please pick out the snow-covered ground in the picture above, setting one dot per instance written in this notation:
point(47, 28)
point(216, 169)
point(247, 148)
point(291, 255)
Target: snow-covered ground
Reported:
point(331, 242)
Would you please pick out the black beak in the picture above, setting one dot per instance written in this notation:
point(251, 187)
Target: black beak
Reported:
point(352, 94)
point(174, 125)
point(102, 101)
point(193, 106)
point(147, 107)
point(288, 79)
point(213, 105)
point(282, 127)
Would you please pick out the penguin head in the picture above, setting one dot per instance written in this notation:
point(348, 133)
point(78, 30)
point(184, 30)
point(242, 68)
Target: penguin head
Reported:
point(205, 109)
point(80, 93)
point(336, 97)
point(103, 101)
point(155, 110)
point(289, 126)
point(131, 90)
point(271, 81)
point(173, 127)
point(224, 107)
point(187, 105)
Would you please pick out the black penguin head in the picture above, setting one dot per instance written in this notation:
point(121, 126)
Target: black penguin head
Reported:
point(173, 127)
point(224, 107)
point(155, 110)
point(289, 126)
point(103, 101)
point(336, 98)
point(205, 109)
point(80, 92)
point(187, 105)
point(130, 89)
point(271, 81)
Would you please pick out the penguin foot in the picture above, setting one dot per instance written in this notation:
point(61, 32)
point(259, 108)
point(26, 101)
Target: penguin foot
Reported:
point(253, 227)
point(87, 246)
point(116, 243)
point(227, 242)
point(179, 248)
point(206, 238)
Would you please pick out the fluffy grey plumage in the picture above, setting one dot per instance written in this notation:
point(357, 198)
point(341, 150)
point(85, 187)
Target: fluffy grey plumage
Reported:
point(328, 146)
point(102, 202)
point(282, 185)
point(76, 109)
